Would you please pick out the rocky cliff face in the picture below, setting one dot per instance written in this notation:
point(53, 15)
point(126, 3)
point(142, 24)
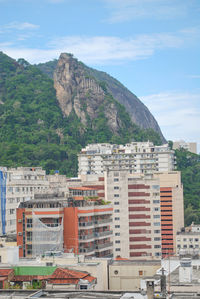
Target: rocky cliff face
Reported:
point(78, 91)
point(85, 90)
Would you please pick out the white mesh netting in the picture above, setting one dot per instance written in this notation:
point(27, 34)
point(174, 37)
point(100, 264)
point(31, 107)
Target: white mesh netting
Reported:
point(46, 238)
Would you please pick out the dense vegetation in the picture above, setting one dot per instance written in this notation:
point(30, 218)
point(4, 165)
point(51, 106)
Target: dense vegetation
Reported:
point(189, 165)
point(33, 131)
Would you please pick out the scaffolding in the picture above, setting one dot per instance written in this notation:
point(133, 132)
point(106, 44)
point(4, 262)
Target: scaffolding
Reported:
point(46, 238)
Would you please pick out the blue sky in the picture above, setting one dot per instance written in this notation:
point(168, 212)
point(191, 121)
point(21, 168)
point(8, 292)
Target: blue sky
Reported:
point(151, 46)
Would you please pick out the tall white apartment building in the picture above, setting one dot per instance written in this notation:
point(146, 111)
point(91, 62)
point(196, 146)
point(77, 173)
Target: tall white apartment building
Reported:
point(18, 185)
point(136, 214)
point(136, 157)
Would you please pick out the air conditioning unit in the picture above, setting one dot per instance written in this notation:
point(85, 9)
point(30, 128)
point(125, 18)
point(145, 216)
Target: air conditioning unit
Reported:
point(20, 234)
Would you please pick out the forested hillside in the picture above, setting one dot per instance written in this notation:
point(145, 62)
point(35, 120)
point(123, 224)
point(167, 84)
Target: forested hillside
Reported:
point(189, 165)
point(33, 130)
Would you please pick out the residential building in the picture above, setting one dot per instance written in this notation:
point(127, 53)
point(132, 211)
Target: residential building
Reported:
point(172, 209)
point(126, 275)
point(136, 214)
point(189, 146)
point(136, 157)
point(18, 185)
point(54, 223)
point(46, 277)
point(188, 241)
point(164, 198)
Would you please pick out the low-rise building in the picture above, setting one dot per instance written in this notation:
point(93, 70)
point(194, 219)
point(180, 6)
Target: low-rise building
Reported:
point(188, 241)
point(126, 275)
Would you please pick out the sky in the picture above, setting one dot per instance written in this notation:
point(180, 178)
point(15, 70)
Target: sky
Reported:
point(151, 46)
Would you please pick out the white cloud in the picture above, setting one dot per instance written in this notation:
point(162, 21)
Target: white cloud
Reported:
point(125, 10)
point(178, 114)
point(102, 49)
point(19, 26)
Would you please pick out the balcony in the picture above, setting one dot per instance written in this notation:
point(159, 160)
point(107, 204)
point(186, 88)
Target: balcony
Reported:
point(86, 224)
point(86, 237)
point(104, 245)
point(102, 221)
point(102, 234)
point(86, 250)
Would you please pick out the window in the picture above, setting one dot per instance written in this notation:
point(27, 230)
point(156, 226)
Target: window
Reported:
point(117, 241)
point(184, 239)
point(116, 173)
point(156, 239)
point(140, 272)
point(116, 195)
point(190, 246)
point(116, 180)
point(117, 226)
point(116, 272)
point(156, 223)
point(116, 203)
point(156, 216)
point(179, 246)
point(157, 231)
point(116, 211)
point(157, 254)
point(185, 246)
point(116, 187)
point(156, 201)
point(117, 218)
point(196, 246)
point(83, 287)
point(117, 234)
point(156, 209)
point(156, 246)
point(12, 211)
point(196, 240)
point(156, 187)
point(117, 249)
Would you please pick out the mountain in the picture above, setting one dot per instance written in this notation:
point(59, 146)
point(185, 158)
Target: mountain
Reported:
point(78, 85)
point(45, 122)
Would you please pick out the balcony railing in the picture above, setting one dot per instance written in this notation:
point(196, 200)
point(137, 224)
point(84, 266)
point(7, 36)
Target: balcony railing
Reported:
point(82, 224)
point(104, 245)
point(86, 237)
point(105, 233)
point(102, 221)
point(86, 250)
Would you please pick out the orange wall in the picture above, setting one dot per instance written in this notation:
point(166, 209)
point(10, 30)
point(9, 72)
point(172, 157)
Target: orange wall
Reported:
point(166, 220)
point(20, 229)
point(70, 236)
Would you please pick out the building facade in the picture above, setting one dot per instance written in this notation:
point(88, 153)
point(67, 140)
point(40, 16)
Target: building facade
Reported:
point(18, 185)
point(189, 146)
point(136, 214)
point(136, 157)
point(172, 209)
point(57, 224)
point(188, 241)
